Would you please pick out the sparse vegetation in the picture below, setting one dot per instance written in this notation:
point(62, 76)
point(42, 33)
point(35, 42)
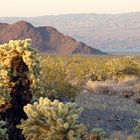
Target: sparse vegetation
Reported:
point(98, 133)
point(108, 85)
point(119, 67)
point(56, 79)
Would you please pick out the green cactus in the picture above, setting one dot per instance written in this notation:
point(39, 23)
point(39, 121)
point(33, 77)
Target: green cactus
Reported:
point(51, 121)
point(3, 131)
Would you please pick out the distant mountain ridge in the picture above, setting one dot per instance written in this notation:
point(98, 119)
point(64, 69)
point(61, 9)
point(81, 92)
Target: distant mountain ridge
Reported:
point(44, 38)
point(102, 31)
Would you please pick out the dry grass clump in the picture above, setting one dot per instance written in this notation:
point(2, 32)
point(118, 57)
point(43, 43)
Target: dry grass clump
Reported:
point(128, 87)
point(100, 87)
point(120, 136)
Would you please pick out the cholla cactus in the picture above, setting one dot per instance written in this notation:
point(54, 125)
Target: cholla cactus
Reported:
point(3, 134)
point(51, 121)
point(19, 79)
point(19, 64)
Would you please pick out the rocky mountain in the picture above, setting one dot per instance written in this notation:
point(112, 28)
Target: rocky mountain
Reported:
point(103, 31)
point(44, 38)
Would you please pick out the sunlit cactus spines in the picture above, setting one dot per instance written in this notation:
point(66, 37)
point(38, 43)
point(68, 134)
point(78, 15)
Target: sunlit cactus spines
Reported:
point(18, 59)
point(51, 121)
point(19, 80)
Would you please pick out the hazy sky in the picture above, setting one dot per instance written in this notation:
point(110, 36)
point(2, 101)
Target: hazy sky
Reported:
point(53, 7)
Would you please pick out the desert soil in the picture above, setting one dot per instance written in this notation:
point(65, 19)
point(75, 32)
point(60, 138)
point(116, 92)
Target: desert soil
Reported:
point(110, 112)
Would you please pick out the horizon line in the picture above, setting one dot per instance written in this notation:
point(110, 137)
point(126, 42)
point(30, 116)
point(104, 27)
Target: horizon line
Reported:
point(123, 13)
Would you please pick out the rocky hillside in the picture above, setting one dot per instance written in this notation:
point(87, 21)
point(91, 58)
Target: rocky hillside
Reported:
point(45, 38)
point(102, 31)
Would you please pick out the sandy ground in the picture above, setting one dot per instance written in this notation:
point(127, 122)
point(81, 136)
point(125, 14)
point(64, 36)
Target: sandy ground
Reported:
point(110, 112)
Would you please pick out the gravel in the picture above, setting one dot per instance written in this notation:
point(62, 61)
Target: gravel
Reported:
point(110, 112)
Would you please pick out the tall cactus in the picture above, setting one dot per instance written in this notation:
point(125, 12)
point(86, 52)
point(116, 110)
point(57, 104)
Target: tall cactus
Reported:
point(51, 121)
point(19, 78)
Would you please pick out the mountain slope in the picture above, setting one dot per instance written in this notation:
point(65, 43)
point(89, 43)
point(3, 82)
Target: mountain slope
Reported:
point(103, 31)
point(45, 38)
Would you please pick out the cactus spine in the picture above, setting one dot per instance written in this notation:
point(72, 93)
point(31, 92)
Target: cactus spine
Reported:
point(51, 121)
point(19, 78)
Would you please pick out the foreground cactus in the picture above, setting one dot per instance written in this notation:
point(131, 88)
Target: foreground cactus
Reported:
point(51, 121)
point(18, 64)
point(19, 79)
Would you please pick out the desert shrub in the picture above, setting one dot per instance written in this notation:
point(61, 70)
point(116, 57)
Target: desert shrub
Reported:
point(98, 134)
point(85, 134)
point(117, 135)
point(138, 126)
point(91, 69)
point(118, 67)
point(64, 93)
point(137, 95)
point(51, 121)
point(3, 131)
point(100, 87)
point(120, 135)
point(101, 69)
point(56, 79)
point(97, 74)
point(94, 134)
point(137, 130)
point(129, 138)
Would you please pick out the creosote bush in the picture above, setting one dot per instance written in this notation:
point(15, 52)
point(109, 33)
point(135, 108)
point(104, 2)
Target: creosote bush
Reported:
point(56, 79)
point(118, 67)
point(98, 133)
point(51, 121)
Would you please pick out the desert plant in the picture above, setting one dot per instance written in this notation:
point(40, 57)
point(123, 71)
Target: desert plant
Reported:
point(128, 89)
point(56, 79)
point(51, 121)
point(19, 79)
point(138, 126)
point(131, 138)
point(3, 131)
point(137, 130)
point(97, 134)
point(118, 67)
point(90, 69)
